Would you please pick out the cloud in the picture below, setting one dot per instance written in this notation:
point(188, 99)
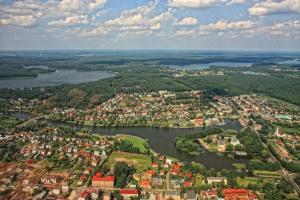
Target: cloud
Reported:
point(140, 18)
point(202, 3)
point(193, 3)
point(82, 6)
point(100, 30)
point(223, 25)
point(192, 33)
point(233, 2)
point(69, 21)
point(187, 21)
point(20, 13)
point(28, 12)
point(269, 7)
point(19, 20)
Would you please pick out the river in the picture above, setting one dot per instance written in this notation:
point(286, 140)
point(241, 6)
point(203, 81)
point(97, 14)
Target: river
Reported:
point(161, 140)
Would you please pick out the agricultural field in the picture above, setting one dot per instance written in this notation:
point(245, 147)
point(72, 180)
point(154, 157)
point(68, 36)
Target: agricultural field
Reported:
point(140, 162)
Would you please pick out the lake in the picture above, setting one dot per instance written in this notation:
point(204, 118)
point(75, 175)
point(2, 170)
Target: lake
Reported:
point(208, 65)
point(161, 140)
point(58, 77)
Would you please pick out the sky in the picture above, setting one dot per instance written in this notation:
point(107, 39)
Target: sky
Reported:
point(150, 24)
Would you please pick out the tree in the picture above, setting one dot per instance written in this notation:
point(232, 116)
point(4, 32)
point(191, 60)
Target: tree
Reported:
point(229, 147)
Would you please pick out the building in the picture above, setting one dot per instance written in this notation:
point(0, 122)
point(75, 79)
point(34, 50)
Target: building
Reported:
point(230, 194)
point(190, 195)
point(174, 195)
point(211, 195)
point(103, 181)
point(216, 180)
point(129, 193)
point(50, 179)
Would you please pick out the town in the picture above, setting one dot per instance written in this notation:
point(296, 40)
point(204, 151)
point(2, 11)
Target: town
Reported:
point(43, 162)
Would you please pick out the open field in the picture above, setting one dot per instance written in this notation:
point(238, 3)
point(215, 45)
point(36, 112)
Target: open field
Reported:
point(264, 173)
point(253, 180)
point(139, 161)
point(135, 141)
point(199, 180)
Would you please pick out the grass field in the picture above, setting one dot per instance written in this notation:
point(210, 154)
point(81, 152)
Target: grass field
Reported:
point(247, 180)
point(254, 181)
point(264, 173)
point(135, 141)
point(239, 166)
point(199, 180)
point(140, 162)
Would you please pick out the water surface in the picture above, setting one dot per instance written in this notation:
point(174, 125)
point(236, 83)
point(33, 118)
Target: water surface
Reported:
point(58, 77)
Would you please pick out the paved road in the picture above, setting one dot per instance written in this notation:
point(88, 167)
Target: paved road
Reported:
point(285, 174)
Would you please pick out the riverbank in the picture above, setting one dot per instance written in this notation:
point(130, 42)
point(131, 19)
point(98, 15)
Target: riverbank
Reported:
point(162, 141)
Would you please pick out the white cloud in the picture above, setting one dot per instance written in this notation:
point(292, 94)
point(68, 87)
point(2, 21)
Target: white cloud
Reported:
point(202, 3)
point(227, 25)
point(81, 6)
point(69, 21)
point(140, 18)
point(193, 3)
point(29, 12)
point(192, 33)
point(100, 30)
point(20, 13)
point(269, 7)
point(233, 2)
point(19, 20)
point(187, 21)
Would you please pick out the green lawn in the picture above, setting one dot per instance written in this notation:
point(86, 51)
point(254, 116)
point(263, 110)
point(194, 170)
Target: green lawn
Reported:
point(135, 141)
point(239, 166)
point(199, 180)
point(140, 162)
point(264, 173)
point(247, 180)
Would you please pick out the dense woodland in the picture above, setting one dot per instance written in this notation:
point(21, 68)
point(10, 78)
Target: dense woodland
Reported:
point(140, 72)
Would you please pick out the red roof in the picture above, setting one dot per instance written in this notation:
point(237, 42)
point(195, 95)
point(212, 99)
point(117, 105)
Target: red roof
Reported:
point(98, 177)
point(188, 175)
point(145, 182)
point(150, 172)
point(129, 191)
point(187, 184)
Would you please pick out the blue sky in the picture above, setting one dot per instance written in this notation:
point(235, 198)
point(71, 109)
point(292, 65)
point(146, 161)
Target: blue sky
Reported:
point(144, 24)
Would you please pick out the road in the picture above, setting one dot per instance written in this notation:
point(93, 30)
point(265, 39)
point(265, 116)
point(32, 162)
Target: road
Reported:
point(31, 120)
point(285, 174)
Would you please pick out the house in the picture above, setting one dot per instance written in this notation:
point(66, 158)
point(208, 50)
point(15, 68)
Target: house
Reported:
point(57, 191)
point(216, 180)
point(279, 133)
point(198, 122)
point(129, 193)
point(174, 195)
point(234, 141)
point(221, 145)
point(82, 180)
point(231, 193)
point(65, 188)
point(145, 184)
point(50, 179)
point(85, 195)
point(154, 165)
point(106, 196)
point(103, 181)
point(157, 182)
point(190, 195)
point(211, 194)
